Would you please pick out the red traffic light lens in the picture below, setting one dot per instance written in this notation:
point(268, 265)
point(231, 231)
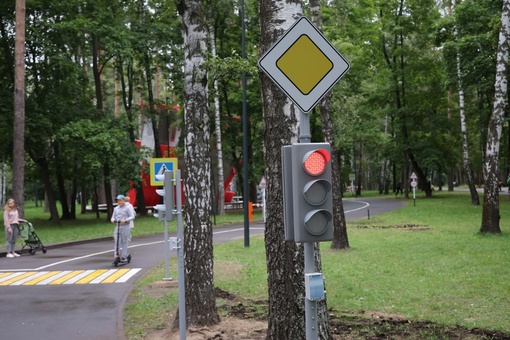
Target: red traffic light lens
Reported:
point(315, 162)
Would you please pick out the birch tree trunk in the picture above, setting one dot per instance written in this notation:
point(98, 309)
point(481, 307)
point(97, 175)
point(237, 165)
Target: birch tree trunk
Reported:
point(475, 200)
point(217, 127)
point(340, 241)
point(285, 261)
point(201, 307)
point(490, 215)
point(18, 152)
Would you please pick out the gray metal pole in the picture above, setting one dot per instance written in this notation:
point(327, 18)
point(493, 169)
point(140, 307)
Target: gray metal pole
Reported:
point(167, 251)
point(246, 189)
point(167, 245)
point(312, 329)
point(304, 128)
point(180, 257)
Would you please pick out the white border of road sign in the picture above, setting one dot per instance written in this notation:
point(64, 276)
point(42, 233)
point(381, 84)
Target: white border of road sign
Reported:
point(268, 61)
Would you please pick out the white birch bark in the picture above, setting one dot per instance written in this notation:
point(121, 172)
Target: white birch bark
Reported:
point(198, 249)
point(463, 127)
point(490, 215)
point(217, 127)
point(284, 260)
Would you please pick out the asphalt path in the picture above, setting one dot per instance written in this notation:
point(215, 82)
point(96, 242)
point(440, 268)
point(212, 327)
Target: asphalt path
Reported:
point(77, 310)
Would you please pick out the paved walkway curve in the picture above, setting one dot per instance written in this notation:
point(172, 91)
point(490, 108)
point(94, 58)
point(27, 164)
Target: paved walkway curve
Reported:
point(77, 308)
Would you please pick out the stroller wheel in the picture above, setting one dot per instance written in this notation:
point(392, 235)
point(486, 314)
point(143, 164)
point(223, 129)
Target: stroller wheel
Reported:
point(44, 250)
point(32, 251)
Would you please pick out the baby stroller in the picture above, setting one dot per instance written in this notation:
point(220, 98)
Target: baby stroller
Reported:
point(27, 233)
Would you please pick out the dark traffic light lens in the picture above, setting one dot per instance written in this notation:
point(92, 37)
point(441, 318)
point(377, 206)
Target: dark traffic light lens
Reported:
point(317, 221)
point(316, 192)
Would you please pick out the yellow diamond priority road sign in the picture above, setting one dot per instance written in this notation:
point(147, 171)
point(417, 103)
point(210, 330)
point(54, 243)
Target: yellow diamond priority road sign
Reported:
point(304, 64)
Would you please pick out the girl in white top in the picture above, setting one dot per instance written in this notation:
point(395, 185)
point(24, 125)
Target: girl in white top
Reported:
point(11, 224)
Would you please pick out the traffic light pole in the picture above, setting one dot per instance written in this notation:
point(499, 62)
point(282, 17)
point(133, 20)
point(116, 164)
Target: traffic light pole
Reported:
point(166, 213)
point(180, 259)
point(312, 328)
point(167, 254)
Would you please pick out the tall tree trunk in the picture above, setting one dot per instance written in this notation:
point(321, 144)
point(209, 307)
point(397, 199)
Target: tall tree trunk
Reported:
point(44, 172)
point(285, 260)
point(153, 113)
point(18, 152)
point(108, 190)
point(97, 74)
point(96, 70)
point(127, 100)
point(358, 170)
point(490, 215)
point(385, 165)
point(217, 127)
point(475, 200)
point(201, 307)
point(340, 241)
point(61, 187)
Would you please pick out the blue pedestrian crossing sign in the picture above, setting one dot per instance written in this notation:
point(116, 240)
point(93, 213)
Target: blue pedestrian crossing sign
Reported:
point(158, 166)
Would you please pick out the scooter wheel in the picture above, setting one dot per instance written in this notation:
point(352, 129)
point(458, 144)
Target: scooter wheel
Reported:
point(116, 262)
point(129, 259)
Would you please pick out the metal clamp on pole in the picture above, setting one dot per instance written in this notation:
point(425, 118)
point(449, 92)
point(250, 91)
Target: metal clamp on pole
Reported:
point(175, 243)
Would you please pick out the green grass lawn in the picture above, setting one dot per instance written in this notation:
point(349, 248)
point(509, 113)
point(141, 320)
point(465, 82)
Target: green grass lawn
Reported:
point(423, 262)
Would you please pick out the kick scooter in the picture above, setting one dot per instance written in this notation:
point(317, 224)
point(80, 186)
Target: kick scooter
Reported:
point(118, 260)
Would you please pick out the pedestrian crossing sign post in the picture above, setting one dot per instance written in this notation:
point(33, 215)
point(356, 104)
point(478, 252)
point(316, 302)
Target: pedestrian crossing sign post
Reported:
point(158, 166)
point(304, 64)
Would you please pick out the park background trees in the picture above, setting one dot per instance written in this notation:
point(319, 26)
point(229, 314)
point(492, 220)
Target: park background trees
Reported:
point(395, 112)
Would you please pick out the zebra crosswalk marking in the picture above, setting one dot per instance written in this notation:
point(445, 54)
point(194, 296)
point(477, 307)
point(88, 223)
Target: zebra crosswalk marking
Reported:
point(43, 276)
point(28, 278)
point(115, 276)
point(128, 275)
point(15, 278)
point(67, 277)
point(78, 277)
point(53, 278)
point(91, 276)
point(4, 274)
point(9, 276)
point(103, 276)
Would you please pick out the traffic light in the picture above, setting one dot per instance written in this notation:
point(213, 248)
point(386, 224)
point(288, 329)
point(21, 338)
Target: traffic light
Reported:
point(165, 211)
point(308, 203)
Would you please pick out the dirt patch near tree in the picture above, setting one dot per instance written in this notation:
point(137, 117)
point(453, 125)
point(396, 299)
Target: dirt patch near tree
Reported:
point(244, 319)
point(230, 328)
point(405, 227)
